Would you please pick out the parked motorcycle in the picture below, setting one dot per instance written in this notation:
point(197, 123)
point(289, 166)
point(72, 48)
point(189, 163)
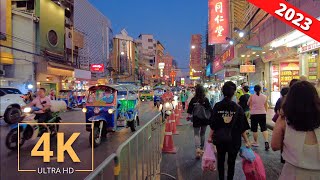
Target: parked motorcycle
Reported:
point(29, 131)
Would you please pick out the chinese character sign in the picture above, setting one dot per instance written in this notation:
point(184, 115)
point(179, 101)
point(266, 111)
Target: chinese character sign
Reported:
point(218, 21)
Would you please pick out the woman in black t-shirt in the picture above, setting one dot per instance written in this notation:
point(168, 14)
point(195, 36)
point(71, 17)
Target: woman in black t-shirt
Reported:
point(199, 125)
point(229, 123)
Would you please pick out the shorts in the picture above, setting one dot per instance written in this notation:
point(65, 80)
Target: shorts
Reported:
point(260, 119)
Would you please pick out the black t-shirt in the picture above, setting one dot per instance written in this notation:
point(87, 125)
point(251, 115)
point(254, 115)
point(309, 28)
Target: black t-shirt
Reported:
point(225, 110)
point(198, 122)
point(243, 102)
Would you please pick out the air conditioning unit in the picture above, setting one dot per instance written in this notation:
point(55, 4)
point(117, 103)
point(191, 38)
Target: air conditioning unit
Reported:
point(2, 72)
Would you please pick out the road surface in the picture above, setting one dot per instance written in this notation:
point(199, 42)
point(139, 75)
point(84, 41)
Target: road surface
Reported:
point(9, 162)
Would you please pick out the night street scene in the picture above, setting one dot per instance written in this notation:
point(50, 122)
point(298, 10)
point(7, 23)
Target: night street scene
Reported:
point(160, 90)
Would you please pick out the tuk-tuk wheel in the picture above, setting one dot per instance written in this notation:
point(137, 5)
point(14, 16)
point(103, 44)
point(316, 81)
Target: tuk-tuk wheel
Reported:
point(96, 137)
point(138, 121)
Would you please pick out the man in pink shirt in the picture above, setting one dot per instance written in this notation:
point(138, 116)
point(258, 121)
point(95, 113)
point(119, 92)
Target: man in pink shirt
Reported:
point(43, 103)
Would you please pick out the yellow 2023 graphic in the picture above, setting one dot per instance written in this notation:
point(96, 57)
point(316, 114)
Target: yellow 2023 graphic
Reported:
point(61, 147)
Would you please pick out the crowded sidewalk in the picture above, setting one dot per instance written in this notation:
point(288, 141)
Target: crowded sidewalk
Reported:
point(184, 166)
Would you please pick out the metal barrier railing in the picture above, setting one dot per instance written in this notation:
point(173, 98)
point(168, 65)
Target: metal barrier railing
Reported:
point(139, 157)
point(104, 169)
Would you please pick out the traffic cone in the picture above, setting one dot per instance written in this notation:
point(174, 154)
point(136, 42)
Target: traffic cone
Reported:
point(168, 145)
point(173, 125)
point(177, 117)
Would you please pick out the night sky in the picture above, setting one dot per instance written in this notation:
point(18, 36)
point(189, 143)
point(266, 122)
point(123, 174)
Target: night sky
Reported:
point(170, 21)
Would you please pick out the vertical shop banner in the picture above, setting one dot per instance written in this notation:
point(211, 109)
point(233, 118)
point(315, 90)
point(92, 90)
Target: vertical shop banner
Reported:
point(291, 15)
point(218, 21)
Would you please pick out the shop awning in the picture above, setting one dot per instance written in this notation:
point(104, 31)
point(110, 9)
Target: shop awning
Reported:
point(60, 69)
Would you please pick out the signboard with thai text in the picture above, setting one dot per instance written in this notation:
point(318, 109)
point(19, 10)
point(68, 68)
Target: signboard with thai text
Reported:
point(309, 46)
point(247, 68)
point(97, 67)
point(218, 21)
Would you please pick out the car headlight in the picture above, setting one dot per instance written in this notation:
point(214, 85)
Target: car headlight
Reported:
point(27, 110)
point(84, 110)
point(110, 111)
point(96, 110)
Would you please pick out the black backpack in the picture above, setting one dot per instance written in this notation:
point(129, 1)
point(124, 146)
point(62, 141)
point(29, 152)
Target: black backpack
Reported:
point(200, 112)
point(224, 134)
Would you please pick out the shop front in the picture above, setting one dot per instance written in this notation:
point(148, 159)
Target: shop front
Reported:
point(283, 63)
point(50, 75)
point(310, 60)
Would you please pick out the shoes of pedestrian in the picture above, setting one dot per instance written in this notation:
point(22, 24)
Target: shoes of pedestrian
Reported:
point(267, 147)
point(255, 144)
point(198, 153)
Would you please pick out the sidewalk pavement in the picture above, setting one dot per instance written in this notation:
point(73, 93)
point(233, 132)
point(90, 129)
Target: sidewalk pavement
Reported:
point(184, 166)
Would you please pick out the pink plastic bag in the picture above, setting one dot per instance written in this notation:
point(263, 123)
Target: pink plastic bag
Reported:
point(254, 170)
point(209, 158)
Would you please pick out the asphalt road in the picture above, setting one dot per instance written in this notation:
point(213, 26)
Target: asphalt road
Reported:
point(9, 159)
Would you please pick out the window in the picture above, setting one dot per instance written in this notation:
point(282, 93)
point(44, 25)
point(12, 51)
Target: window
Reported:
point(150, 47)
point(10, 91)
point(150, 40)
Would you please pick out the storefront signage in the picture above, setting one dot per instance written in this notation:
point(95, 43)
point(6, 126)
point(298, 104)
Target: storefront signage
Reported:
point(82, 74)
point(230, 73)
point(278, 54)
point(218, 21)
point(161, 65)
point(182, 81)
point(217, 65)
point(227, 55)
point(309, 46)
point(247, 68)
point(208, 70)
point(219, 62)
point(291, 15)
point(97, 67)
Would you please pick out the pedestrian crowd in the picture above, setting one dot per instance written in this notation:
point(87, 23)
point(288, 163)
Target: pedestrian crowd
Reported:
point(296, 133)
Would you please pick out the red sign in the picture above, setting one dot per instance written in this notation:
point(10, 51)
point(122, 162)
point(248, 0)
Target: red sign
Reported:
point(219, 62)
point(217, 65)
point(291, 15)
point(218, 21)
point(97, 67)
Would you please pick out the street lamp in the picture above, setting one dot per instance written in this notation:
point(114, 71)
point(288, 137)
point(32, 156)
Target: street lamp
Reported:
point(193, 47)
point(122, 53)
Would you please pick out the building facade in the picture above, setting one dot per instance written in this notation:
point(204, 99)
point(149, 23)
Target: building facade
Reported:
point(98, 38)
point(124, 58)
point(196, 63)
point(18, 51)
point(147, 45)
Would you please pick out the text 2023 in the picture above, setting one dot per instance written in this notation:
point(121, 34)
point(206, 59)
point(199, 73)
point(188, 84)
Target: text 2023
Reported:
point(290, 14)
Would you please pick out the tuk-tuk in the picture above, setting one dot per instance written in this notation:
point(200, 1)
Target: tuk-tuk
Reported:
point(146, 95)
point(110, 107)
point(72, 98)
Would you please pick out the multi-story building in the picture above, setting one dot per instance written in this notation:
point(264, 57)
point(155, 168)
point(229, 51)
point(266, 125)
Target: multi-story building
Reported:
point(98, 38)
point(147, 45)
point(124, 58)
point(159, 59)
point(196, 64)
point(17, 65)
point(168, 60)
